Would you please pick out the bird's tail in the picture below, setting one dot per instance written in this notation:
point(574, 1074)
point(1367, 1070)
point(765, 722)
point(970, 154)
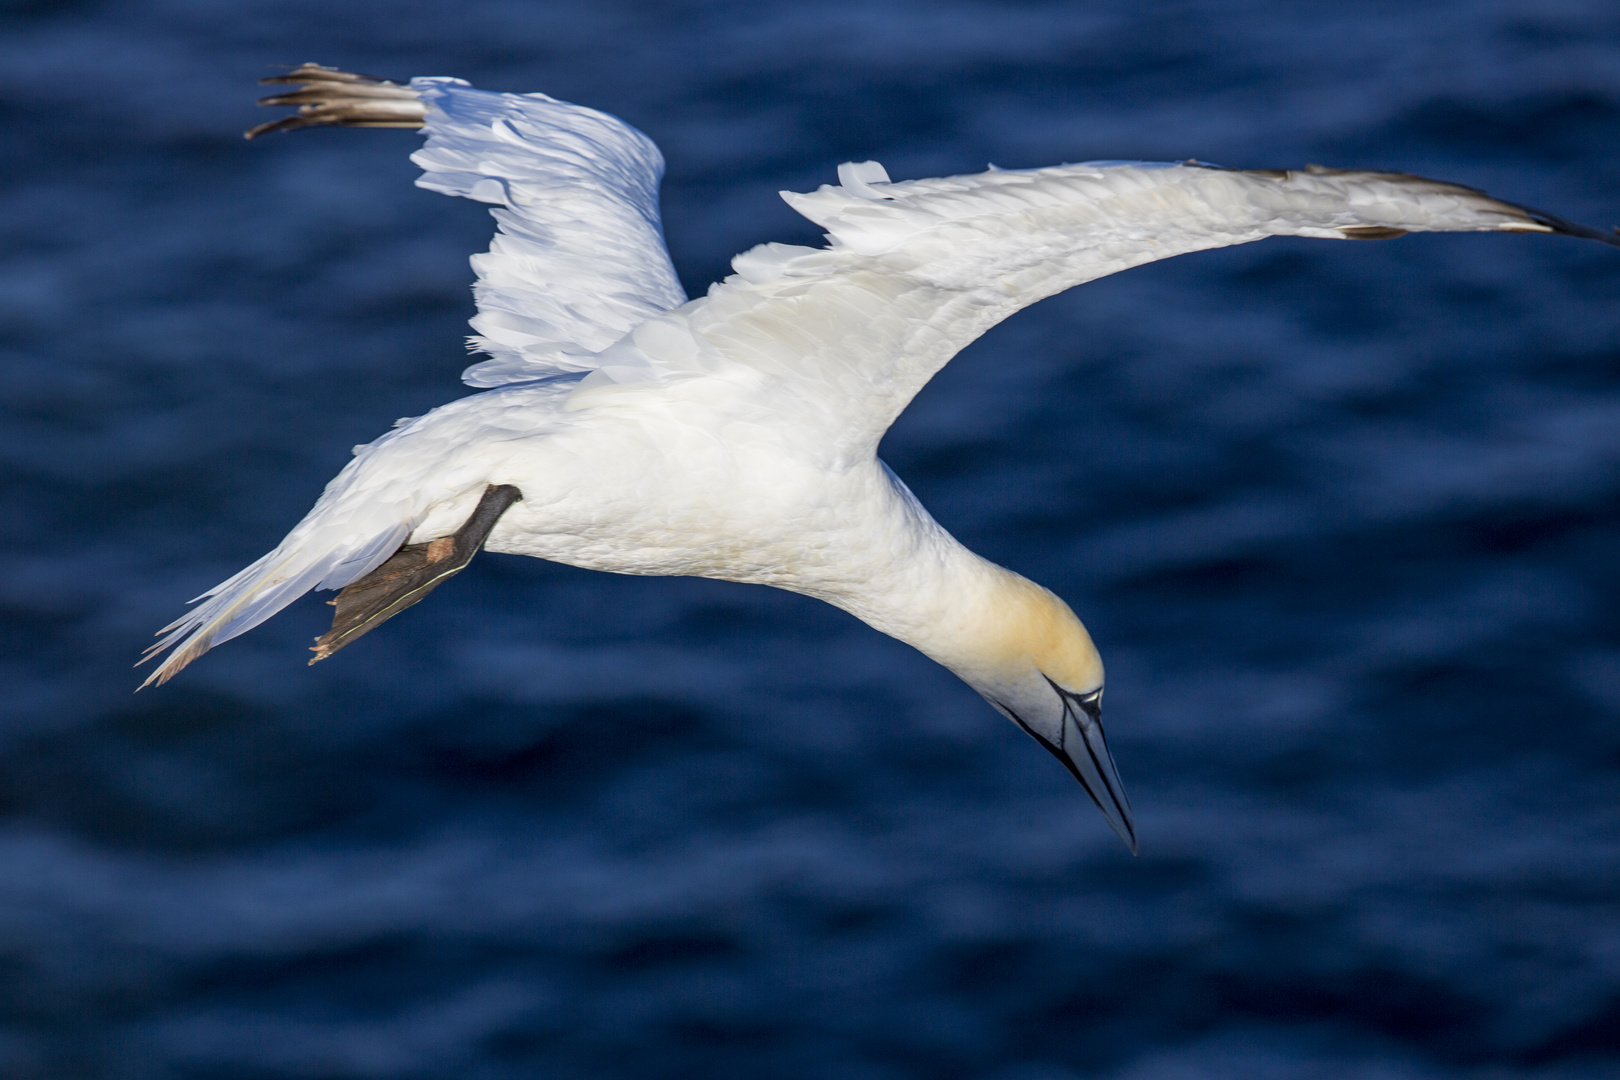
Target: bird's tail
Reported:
point(327, 550)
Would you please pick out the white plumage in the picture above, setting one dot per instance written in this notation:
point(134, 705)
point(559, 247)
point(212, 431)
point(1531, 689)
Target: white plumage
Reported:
point(734, 436)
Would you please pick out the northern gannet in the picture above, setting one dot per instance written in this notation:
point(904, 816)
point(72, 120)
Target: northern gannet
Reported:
point(626, 428)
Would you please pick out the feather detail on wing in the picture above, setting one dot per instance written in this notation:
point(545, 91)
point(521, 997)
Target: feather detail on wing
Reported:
point(579, 258)
point(843, 337)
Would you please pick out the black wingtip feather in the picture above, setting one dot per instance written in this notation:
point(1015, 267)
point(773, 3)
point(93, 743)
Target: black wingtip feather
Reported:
point(1565, 227)
point(328, 97)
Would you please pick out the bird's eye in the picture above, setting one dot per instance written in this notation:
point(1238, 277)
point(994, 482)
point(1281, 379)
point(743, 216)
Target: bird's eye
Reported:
point(1090, 704)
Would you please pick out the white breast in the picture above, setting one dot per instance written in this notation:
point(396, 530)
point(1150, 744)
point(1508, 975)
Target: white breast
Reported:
point(655, 486)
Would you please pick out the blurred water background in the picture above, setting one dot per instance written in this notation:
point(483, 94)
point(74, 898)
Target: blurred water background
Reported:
point(1343, 518)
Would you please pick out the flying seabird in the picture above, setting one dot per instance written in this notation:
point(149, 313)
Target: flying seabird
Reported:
point(626, 428)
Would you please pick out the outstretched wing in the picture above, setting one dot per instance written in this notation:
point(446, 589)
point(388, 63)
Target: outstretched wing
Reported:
point(843, 337)
point(579, 255)
point(578, 260)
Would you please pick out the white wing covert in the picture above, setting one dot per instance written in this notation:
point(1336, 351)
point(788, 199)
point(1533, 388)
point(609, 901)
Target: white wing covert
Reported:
point(841, 338)
point(579, 257)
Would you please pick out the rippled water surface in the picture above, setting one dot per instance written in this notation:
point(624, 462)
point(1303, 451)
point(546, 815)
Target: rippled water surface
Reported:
point(1344, 519)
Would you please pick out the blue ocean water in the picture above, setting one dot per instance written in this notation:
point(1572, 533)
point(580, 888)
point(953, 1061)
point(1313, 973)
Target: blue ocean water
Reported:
point(1342, 517)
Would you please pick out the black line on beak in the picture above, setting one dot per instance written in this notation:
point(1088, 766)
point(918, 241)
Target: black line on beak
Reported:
point(1119, 816)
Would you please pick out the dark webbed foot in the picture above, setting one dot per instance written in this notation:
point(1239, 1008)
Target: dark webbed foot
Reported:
point(410, 574)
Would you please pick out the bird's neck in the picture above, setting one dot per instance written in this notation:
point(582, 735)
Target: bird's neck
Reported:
point(982, 621)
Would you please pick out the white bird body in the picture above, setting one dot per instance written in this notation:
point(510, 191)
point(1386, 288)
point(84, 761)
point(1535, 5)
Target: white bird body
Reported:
point(734, 436)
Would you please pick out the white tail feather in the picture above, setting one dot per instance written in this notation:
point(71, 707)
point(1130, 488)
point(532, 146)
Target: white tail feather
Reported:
point(247, 599)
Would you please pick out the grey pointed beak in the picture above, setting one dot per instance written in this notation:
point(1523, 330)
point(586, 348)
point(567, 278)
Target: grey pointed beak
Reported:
point(1075, 737)
point(1084, 751)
